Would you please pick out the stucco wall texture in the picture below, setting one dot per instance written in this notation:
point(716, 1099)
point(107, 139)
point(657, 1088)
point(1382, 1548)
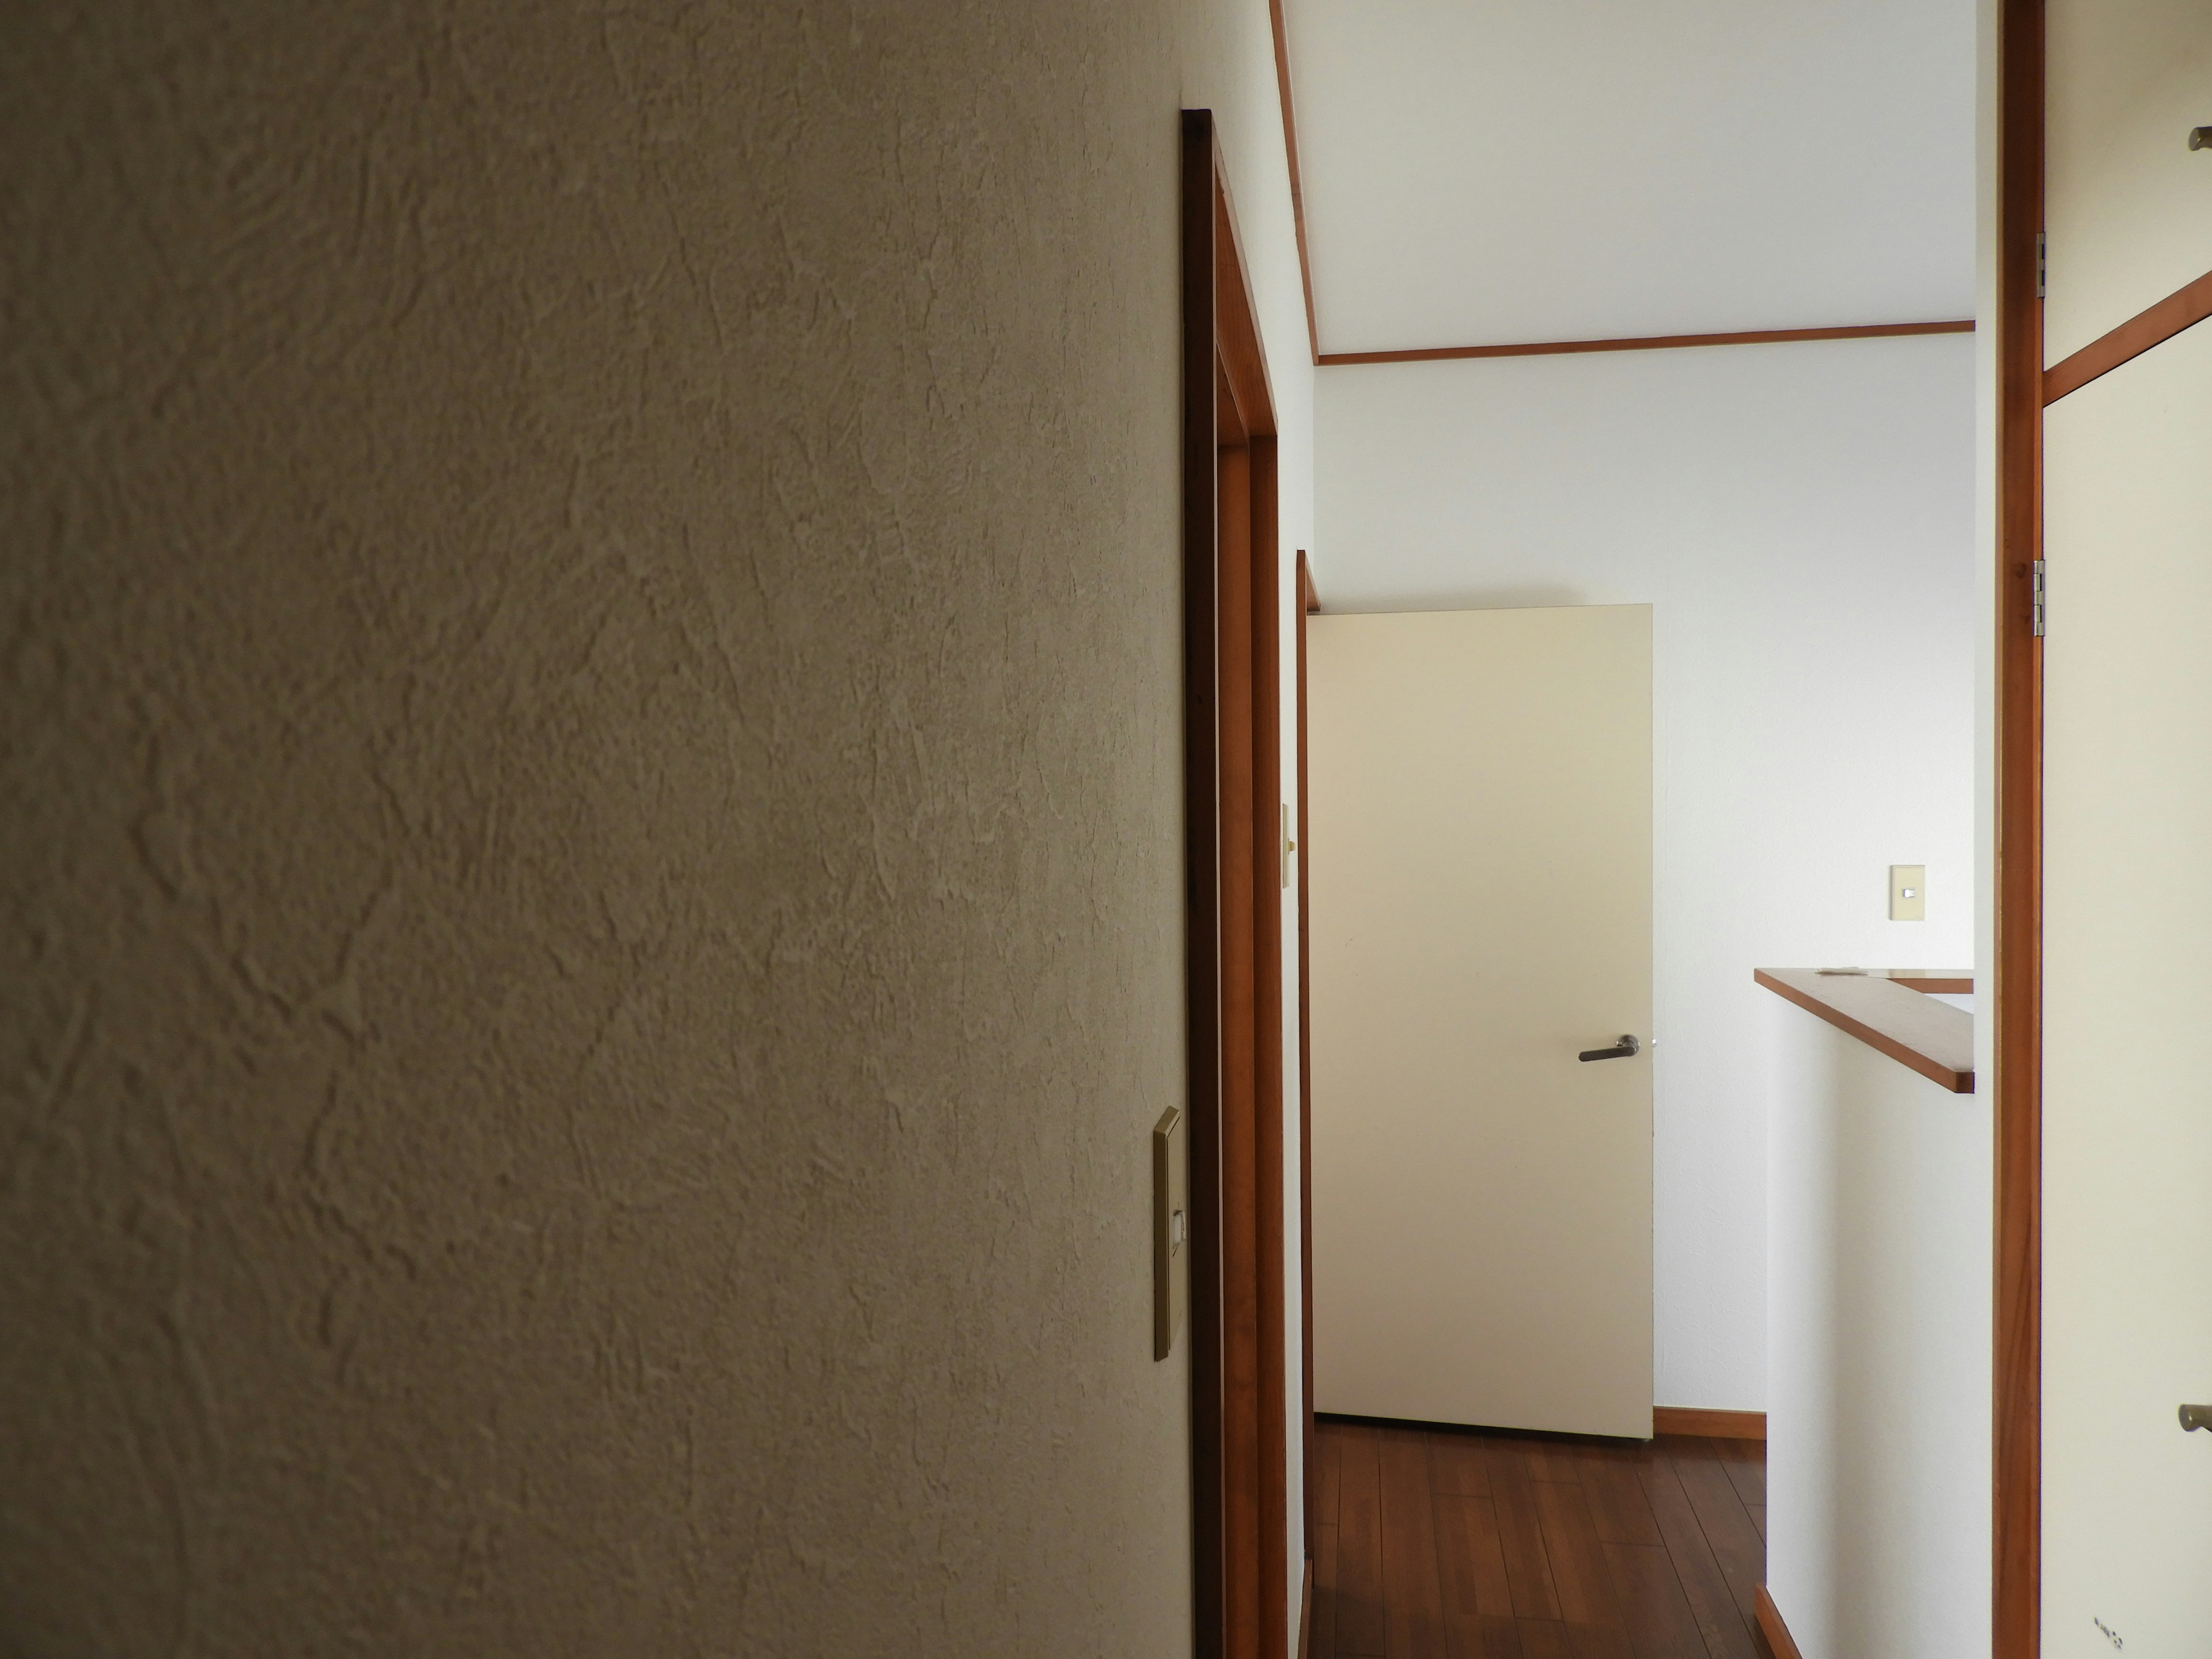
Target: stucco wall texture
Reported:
point(591, 836)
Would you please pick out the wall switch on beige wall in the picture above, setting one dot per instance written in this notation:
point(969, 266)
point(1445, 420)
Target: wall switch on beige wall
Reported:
point(1908, 892)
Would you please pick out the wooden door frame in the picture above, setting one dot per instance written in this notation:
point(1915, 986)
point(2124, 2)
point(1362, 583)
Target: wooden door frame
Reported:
point(1240, 1537)
point(1308, 601)
point(2025, 389)
point(2017, 975)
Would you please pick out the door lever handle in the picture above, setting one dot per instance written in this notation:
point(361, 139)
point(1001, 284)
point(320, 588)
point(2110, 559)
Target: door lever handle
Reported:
point(2196, 1417)
point(1620, 1050)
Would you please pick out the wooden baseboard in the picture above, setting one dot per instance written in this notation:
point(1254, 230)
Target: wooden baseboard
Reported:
point(1713, 1425)
point(1305, 1610)
point(1771, 1627)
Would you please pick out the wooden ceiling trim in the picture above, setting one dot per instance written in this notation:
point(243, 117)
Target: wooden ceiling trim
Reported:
point(1291, 153)
point(1648, 342)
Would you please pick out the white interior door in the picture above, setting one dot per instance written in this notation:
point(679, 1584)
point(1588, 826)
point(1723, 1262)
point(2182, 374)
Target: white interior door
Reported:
point(2127, 936)
point(1479, 819)
point(2127, 1167)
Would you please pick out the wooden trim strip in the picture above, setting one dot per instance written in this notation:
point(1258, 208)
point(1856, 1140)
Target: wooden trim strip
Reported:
point(1265, 609)
point(1932, 1038)
point(1243, 1454)
point(1708, 1425)
point(1232, 617)
point(1934, 981)
point(1202, 936)
point(1305, 1090)
point(2154, 327)
point(1647, 343)
point(1771, 1627)
point(2015, 991)
point(1291, 155)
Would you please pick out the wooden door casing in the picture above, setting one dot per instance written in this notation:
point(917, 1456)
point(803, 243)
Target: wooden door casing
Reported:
point(1233, 918)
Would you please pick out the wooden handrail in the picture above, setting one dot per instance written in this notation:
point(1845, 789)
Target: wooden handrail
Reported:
point(1893, 1012)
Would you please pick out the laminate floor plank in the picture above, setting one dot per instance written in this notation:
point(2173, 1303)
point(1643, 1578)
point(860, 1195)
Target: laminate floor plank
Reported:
point(1412, 1590)
point(1703, 1583)
point(1746, 1463)
point(1653, 1610)
point(1581, 1574)
point(1521, 1531)
point(1327, 1478)
point(1545, 1638)
point(1476, 1544)
point(1727, 1526)
point(1361, 1626)
point(1599, 1642)
point(1478, 1620)
point(1459, 1466)
point(1490, 1638)
point(1471, 1559)
point(1322, 1638)
point(1554, 1459)
point(1618, 1506)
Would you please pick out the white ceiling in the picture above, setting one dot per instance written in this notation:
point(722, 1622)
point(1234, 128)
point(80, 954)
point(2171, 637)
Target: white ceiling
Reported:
point(1491, 172)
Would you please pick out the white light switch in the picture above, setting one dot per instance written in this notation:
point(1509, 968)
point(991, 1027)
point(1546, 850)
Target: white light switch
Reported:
point(1908, 892)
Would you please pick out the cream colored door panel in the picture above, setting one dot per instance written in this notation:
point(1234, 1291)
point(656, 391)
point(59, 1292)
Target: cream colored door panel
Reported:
point(1480, 882)
point(2129, 209)
point(2127, 938)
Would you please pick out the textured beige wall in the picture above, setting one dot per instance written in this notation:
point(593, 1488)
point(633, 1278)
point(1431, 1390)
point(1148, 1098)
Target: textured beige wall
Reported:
point(590, 850)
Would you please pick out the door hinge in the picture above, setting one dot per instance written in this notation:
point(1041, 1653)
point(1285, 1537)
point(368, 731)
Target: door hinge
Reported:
point(2035, 598)
point(2042, 264)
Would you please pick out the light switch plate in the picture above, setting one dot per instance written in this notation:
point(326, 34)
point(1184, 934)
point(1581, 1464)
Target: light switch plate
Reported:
point(1170, 1230)
point(1908, 892)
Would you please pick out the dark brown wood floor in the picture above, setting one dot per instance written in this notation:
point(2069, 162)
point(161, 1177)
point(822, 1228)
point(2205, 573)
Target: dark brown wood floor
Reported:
point(1466, 1544)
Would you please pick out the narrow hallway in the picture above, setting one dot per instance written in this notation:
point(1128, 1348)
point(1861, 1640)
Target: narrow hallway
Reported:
point(1455, 1544)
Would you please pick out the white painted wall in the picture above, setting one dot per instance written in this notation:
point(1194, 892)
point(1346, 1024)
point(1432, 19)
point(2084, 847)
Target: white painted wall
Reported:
point(1878, 1408)
point(1228, 53)
point(1800, 518)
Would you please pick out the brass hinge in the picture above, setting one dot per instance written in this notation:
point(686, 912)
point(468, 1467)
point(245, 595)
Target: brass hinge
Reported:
point(2035, 599)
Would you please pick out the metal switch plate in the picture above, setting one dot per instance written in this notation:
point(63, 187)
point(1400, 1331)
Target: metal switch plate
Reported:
point(1908, 892)
point(1170, 1230)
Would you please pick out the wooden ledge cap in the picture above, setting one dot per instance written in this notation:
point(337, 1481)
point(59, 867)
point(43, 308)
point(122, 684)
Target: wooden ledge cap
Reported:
point(1932, 1037)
